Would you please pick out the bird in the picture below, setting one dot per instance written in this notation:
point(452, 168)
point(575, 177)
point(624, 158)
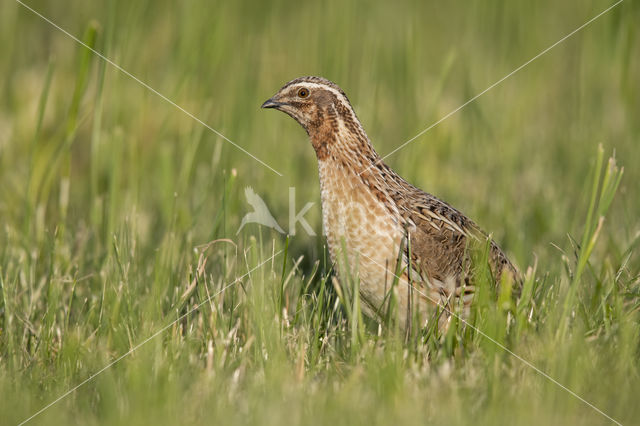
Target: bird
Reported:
point(402, 241)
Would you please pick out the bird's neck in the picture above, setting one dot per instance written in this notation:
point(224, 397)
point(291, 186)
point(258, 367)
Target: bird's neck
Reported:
point(346, 158)
point(339, 137)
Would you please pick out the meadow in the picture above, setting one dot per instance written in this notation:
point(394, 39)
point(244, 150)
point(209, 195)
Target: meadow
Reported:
point(119, 212)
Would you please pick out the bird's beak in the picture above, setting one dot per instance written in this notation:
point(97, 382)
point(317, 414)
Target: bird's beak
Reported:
point(270, 103)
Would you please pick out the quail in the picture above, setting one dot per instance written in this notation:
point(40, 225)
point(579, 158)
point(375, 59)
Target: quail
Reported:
point(373, 218)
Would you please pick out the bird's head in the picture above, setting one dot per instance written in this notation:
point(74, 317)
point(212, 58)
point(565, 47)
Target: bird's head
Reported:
point(314, 102)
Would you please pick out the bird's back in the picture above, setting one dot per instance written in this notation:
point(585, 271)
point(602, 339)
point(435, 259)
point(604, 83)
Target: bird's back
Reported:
point(442, 237)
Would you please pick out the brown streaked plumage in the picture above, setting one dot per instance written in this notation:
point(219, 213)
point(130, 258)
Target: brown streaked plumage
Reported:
point(374, 213)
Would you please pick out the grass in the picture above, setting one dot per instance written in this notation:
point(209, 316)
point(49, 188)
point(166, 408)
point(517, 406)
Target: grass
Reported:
point(119, 212)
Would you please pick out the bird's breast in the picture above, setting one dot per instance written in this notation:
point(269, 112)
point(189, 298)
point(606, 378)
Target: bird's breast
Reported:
point(356, 219)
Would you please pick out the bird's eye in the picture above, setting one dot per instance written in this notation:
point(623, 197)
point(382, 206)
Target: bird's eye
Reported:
point(303, 93)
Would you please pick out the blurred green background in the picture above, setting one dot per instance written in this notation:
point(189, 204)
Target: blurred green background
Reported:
point(107, 191)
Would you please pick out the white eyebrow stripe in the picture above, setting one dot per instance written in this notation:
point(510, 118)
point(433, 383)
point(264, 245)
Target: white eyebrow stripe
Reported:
point(341, 96)
point(310, 85)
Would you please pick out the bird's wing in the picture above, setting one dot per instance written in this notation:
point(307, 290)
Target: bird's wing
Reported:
point(441, 238)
